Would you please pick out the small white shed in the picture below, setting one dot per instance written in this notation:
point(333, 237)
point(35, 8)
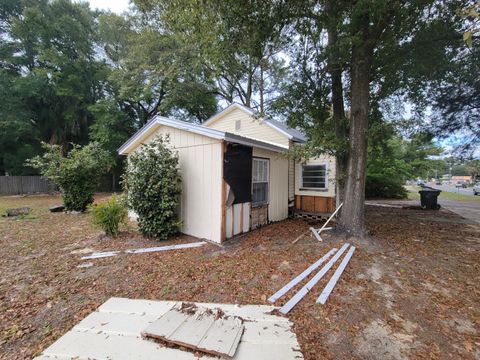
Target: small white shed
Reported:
point(230, 183)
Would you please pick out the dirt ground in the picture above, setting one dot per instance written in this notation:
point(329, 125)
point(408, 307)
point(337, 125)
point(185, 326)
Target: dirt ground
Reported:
point(411, 293)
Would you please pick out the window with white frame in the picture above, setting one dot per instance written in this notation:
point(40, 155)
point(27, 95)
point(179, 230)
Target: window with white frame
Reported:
point(314, 176)
point(260, 181)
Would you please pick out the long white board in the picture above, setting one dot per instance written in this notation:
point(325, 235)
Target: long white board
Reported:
point(300, 277)
point(322, 299)
point(303, 291)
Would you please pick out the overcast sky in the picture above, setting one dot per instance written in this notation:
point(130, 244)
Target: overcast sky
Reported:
point(117, 6)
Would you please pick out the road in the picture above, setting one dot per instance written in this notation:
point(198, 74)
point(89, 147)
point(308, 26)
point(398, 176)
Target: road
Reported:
point(451, 188)
point(467, 209)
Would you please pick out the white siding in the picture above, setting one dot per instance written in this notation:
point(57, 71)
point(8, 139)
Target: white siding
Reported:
point(200, 162)
point(323, 159)
point(249, 127)
point(278, 186)
point(291, 175)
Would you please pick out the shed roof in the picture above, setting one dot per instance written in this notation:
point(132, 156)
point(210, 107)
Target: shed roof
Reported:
point(196, 129)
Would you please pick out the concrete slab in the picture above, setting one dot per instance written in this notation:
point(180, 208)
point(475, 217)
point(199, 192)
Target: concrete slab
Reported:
point(114, 332)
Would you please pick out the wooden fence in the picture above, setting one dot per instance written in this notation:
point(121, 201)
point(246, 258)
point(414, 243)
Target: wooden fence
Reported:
point(15, 185)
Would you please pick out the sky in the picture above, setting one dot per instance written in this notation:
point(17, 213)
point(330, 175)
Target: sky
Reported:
point(117, 6)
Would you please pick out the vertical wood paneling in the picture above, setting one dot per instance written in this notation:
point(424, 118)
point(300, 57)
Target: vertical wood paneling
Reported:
point(318, 204)
point(200, 163)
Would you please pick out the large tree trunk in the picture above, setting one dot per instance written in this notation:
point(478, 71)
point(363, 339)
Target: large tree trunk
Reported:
point(335, 70)
point(352, 218)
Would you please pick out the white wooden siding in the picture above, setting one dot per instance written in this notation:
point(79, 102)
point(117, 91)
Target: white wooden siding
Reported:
point(200, 162)
point(323, 159)
point(278, 185)
point(249, 127)
point(291, 175)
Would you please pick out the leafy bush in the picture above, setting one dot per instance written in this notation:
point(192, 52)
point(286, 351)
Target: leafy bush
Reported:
point(387, 187)
point(76, 173)
point(153, 185)
point(109, 215)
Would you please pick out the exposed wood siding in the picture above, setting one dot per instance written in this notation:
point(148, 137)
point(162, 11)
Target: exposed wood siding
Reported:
point(200, 161)
point(323, 159)
point(278, 184)
point(249, 127)
point(314, 204)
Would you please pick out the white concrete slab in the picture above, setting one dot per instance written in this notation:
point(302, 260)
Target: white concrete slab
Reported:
point(114, 332)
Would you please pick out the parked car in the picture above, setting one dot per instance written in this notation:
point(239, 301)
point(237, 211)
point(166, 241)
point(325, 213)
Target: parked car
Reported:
point(438, 182)
point(476, 188)
point(461, 184)
point(421, 182)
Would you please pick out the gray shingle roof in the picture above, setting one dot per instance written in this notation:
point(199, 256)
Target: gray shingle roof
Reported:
point(297, 135)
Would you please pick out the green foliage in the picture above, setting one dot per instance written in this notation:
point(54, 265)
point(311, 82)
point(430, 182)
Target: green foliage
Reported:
point(392, 160)
point(49, 75)
point(76, 173)
point(151, 74)
point(109, 215)
point(153, 185)
point(236, 43)
point(385, 187)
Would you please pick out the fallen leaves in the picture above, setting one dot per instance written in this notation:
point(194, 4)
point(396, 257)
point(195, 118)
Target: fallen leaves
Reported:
point(43, 293)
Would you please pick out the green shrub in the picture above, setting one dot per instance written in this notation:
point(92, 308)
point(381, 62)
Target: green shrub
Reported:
point(153, 185)
point(109, 215)
point(76, 174)
point(381, 186)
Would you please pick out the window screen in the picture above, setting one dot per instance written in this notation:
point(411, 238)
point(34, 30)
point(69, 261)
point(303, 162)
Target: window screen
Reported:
point(314, 176)
point(260, 181)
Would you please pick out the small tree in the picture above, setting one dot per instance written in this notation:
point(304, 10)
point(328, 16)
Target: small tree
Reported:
point(76, 174)
point(153, 185)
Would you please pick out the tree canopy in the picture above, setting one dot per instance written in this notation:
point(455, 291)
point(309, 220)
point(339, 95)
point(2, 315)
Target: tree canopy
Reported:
point(347, 72)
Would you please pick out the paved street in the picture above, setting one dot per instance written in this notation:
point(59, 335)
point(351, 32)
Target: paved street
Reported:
point(468, 209)
point(451, 188)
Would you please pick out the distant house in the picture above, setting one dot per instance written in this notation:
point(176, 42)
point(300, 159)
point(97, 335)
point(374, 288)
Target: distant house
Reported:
point(236, 175)
point(465, 178)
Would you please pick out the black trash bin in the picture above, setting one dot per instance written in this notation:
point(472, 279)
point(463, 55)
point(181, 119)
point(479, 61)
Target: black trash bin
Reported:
point(429, 198)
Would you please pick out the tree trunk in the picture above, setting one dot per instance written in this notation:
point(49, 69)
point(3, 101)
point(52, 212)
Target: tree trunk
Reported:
point(335, 70)
point(352, 218)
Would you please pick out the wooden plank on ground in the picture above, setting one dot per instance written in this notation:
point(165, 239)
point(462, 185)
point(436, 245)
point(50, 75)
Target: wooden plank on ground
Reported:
point(322, 299)
point(144, 250)
point(303, 291)
point(165, 248)
point(224, 335)
point(300, 277)
point(100, 255)
point(200, 329)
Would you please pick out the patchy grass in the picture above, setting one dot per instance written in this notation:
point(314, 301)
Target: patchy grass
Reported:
point(444, 195)
point(398, 298)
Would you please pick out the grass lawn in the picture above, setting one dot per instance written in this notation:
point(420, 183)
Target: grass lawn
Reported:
point(410, 293)
point(445, 195)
